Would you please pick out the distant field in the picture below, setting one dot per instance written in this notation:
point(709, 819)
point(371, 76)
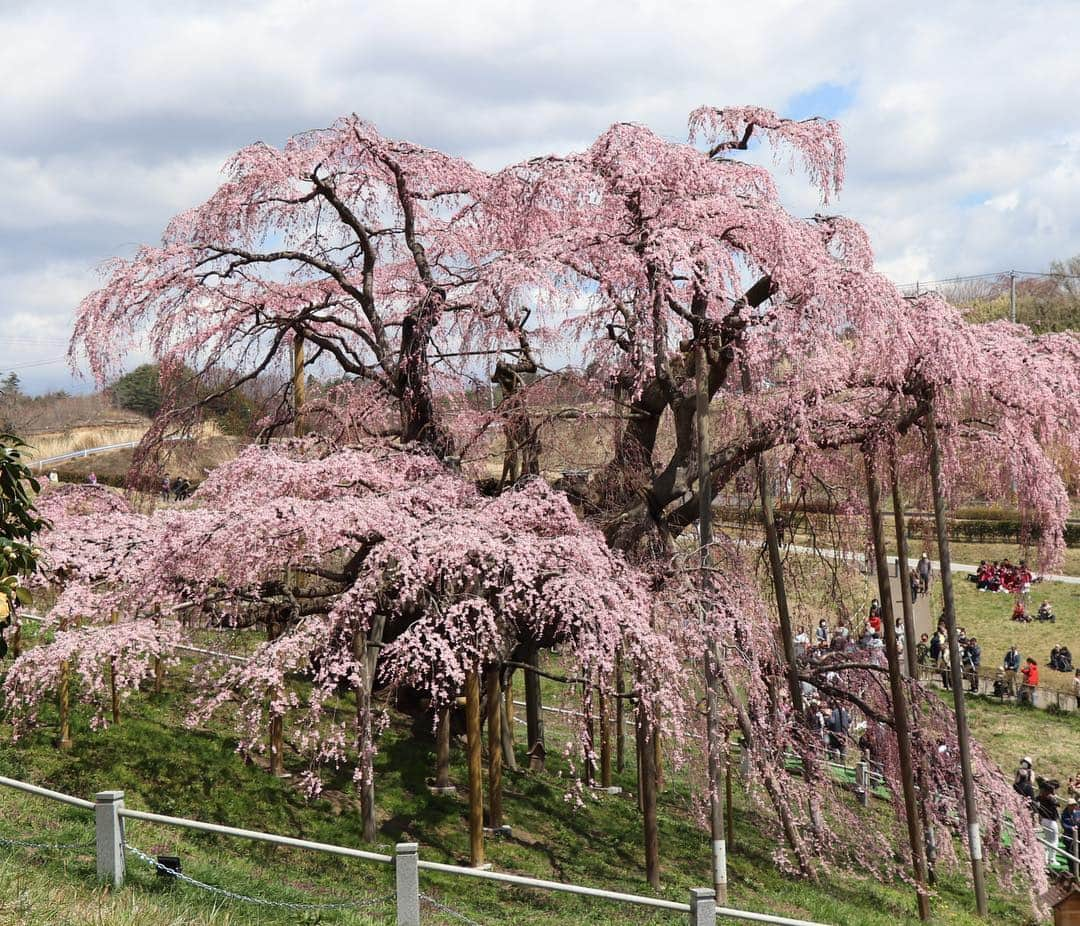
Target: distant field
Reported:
point(47, 444)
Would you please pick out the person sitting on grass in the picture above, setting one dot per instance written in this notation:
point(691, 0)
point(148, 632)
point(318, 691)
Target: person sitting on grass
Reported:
point(1064, 660)
point(1020, 612)
point(1046, 612)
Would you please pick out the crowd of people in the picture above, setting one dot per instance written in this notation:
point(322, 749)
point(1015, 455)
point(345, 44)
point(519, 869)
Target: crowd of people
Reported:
point(1002, 576)
point(1059, 817)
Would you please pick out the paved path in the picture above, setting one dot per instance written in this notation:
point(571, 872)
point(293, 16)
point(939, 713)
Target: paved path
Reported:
point(956, 567)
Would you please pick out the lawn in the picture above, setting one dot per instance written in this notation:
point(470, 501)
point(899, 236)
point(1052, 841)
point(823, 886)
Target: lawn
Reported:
point(166, 768)
point(987, 616)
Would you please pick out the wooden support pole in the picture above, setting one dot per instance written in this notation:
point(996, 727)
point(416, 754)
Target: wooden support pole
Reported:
point(534, 705)
point(903, 570)
point(298, 385)
point(605, 741)
point(442, 750)
point(476, 787)
point(620, 725)
point(971, 809)
point(646, 751)
point(494, 722)
point(705, 538)
point(159, 665)
point(899, 694)
point(114, 695)
point(63, 697)
point(277, 744)
point(507, 723)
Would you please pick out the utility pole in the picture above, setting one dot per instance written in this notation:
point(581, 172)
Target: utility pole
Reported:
point(716, 805)
point(963, 738)
point(1012, 296)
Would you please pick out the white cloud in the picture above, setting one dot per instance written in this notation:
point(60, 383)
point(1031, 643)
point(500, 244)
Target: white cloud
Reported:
point(963, 134)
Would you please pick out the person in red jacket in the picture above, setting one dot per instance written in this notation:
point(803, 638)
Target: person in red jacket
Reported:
point(1031, 680)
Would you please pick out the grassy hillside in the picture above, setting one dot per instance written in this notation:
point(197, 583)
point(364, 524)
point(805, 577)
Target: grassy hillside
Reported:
point(165, 768)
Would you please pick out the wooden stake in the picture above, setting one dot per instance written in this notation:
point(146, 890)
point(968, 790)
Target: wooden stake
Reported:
point(899, 694)
point(476, 788)
point(494, 722)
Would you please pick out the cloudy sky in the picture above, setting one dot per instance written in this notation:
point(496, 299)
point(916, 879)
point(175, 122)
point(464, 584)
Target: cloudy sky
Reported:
point(962, 119)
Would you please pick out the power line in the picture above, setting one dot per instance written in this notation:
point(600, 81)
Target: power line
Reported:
point(997, 274)
point(35, 363)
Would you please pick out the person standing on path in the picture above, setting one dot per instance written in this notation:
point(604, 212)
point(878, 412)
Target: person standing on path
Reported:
point(924, 570)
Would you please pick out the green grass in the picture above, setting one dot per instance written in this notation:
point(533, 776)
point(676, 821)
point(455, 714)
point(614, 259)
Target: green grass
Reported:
point(987, 616)
point(164, 768)
point(1010, 732)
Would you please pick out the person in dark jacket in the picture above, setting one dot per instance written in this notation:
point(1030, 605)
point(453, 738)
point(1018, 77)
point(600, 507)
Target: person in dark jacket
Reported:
point(1011, 665)
point(972, 658)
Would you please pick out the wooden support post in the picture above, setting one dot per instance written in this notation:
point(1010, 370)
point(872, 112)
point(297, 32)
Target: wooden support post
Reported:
point(899, 693)
point(63, 696)
point(620, 726)
point(971, 809)
point(442, 750)
point(903, 570)
point(159, 666)
point(277, 742)
point(605, 740)
point(298, 385)
point(658, 759)
point(705, 538)
point(534, 705)
point(114, 696)
point(647, 753)
point(494, 722)
point(476, 788)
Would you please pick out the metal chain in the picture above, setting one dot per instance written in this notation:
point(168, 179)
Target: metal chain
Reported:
point(445, 909)
point(53, 846)
point(262, 901)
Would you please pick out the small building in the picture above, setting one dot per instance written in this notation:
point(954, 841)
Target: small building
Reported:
point(1064, 900)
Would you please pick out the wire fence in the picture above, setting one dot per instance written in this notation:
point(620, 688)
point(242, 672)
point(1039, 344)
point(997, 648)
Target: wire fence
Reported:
point(173, 872)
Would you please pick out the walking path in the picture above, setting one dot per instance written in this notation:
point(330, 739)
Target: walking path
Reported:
point(956, 567)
